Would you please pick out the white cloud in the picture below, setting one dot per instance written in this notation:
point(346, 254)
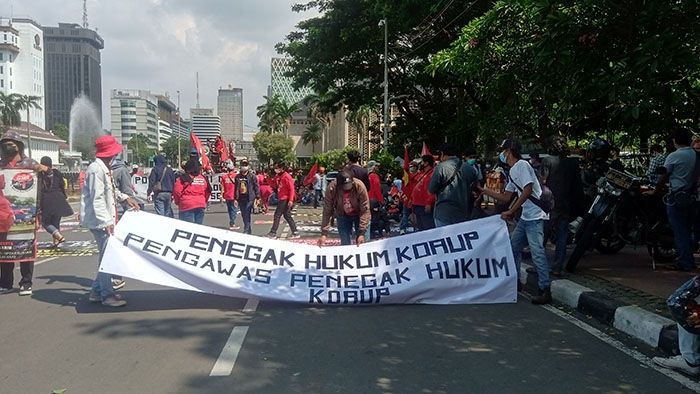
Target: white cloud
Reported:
point(160, 44)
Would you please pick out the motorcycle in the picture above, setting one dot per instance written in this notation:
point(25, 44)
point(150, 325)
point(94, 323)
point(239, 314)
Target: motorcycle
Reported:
point(621, 214)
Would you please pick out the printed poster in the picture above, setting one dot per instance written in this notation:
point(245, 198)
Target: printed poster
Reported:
point(18, 215)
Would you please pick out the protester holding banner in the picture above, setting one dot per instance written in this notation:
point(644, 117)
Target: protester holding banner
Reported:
point(12, 156)
point(247, 192)
point(228, 184)
point(346, 200)
point(161, 182)
point(98, 212)
point(53, 202)
point(286, 196)
point(191, 193)
point(529, 230)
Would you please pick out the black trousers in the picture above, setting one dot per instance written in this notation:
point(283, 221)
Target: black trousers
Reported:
point(7, 277)
point(283, 209)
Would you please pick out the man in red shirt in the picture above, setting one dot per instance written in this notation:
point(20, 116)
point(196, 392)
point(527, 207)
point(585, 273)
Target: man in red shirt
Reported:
point(375, 183)
point(228, 183)
point(423, 200)
point(286, 195)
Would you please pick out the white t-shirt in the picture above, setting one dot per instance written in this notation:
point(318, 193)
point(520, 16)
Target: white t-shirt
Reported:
point(523, 174)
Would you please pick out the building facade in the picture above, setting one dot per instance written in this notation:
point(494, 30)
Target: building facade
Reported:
point(44, 143)
point(134, 112)
point(205, 124)
point(230, 111)
point(281, 85)
point(72, 66)
point(22, 63)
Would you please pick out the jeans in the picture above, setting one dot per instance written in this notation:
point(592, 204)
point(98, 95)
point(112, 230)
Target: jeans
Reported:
point(318, 196)
point(531, 233)
point(283, 209)
point(195, 215)
point(560, 226)
point(161, 204)
point(425, 220)
point(246, 208)
point(345, 227)
point(680, 219)
point(440, 223)
point(689, 345)
point(405, 221)
point(102, 284)
point(51, 223)
point(232, 212)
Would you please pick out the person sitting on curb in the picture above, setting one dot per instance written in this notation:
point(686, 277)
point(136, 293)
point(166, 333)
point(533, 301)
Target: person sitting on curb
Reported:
point(347, 200)
point(98, 213)
point(688, 361)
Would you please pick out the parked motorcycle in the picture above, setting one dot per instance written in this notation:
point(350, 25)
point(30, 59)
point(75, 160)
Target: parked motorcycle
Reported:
point(621, 214)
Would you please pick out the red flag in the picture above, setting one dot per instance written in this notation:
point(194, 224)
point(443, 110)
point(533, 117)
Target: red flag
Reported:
point(221, 149)
point(203, 158)
point(425, 150)
point(312, 173)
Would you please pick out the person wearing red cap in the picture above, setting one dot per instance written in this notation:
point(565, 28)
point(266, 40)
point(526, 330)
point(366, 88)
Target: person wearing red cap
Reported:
point(12, 156)
point(98, 212)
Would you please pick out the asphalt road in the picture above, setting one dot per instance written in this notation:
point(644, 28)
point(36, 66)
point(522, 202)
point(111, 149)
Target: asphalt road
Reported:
point(173, 341)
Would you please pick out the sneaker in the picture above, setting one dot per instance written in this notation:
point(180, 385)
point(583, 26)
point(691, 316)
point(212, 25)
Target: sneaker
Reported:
point(25, 290)
point(114, 301)
point(271, 235)
point(294, 235)
point(94, 297)
point(118, 283)
point(5, 290)
point(402, 232)
point(677, 363)
point(233, 228)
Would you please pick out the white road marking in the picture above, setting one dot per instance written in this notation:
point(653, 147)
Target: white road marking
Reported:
point(251, 305)
point(227, 359)
point(646, 361)
point(41, 261)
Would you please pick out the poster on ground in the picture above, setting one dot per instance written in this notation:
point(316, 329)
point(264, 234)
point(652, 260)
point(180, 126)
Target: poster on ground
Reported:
point(469, 262)
point(18, 211)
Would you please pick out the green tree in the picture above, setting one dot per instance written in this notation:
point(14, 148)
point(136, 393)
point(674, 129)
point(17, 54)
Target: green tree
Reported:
point(61, 131)
point(360, 120)
point(9, 110)
point(273, 147)
point(28, 102)
point(334, 159)
point(285, 112)
point(169, 149)
point(312, 135)
point(269, 114)
point(141, 149)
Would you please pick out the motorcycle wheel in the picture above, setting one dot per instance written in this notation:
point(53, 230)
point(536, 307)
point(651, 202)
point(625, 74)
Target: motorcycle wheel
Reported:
point(608, 243)
point(583, 242)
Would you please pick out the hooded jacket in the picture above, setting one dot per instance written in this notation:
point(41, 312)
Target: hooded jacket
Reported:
point(191, 192)
point(97, 202)
point(333, 205)
point(122, 180)
point(160, 170)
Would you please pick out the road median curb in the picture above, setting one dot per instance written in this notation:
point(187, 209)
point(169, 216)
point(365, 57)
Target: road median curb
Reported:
point(648, 327)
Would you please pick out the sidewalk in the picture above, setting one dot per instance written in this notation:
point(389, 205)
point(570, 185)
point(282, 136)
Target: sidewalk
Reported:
point(622, 291)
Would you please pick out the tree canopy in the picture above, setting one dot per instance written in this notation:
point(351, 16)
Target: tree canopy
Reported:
point(273, 147)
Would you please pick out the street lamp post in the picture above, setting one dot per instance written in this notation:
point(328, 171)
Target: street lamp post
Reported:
point(384, 23)
point(179, 137)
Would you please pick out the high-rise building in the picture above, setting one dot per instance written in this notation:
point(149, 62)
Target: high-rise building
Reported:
point(205, 124)
point(71, 67)
point(281, 85)
point(230, 110)
point(22, 63)
point(134, 112)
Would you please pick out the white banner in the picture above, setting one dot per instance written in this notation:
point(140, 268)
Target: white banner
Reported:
point(469, 262)
point(140, 184)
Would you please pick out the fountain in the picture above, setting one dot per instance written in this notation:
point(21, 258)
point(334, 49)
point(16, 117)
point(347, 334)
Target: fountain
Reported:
point(84, 127)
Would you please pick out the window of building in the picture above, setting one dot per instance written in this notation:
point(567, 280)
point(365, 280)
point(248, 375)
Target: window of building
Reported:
point(2, 83)
point(10, 71)
point(10, 84)
point(5, 36)
point(1, 55)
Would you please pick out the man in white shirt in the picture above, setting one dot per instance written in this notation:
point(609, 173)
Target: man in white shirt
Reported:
point(529, 230)
point(319, 185)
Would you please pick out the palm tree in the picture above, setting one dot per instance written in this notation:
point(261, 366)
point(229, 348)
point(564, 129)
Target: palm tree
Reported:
point(9, 111)
point(28, 102)
point(269, 114)
point(360, 118)
point(321, 108)
point(285, 112)
point(312, 135)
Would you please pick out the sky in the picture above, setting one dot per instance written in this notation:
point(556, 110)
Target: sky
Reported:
point(159, 45)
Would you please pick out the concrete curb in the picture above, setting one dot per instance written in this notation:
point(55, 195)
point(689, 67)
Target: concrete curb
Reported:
point(650, 328)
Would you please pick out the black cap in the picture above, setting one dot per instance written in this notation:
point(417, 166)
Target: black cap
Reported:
point(344, 177)
point(512, 145)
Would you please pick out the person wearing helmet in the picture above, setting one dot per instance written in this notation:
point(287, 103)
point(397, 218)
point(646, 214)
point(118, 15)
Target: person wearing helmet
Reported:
point(12, 156)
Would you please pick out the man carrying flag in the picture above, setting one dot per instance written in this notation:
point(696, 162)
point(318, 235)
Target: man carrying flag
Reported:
point(203, 158)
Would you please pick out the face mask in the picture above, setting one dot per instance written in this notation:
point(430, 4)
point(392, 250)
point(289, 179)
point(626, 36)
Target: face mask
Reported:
point(471, 162)
point(245, 169)
point(502, 157)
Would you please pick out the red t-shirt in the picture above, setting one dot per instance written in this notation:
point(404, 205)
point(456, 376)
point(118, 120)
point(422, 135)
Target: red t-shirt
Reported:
point(347, 205)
